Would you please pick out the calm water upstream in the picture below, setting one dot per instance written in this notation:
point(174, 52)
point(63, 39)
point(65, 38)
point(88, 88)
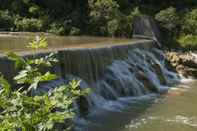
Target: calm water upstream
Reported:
point(18, 43)
point(176, 111)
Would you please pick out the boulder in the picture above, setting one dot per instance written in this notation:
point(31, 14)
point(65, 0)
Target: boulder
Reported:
point(146, 81)
point(183, 63)
point(160, 74)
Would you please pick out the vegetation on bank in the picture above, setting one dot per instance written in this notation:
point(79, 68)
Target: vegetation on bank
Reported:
point(28, 108)
point(179, 27)
point(177, 19)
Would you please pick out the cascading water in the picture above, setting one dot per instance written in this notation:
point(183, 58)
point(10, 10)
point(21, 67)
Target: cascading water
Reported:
point(136, 72)
point(117, 75)
point(140, 73)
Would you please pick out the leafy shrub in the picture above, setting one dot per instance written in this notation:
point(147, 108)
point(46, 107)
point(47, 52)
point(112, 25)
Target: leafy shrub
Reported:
point(101, 12)
point(35, 10)
point(188, 41)
point(57, 28)
point(170, 22)
point(122, 25)
point(74, 31)
point(63, 27)
point(28, 24)
point(6, 20)
point(168, 19)
point(128, 26)
point(24, 110)
point(112, 27)
point(103, 8)
point(107, 19)
point(190, 22)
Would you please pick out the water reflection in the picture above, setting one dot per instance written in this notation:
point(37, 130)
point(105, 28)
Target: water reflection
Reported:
point(18, 43)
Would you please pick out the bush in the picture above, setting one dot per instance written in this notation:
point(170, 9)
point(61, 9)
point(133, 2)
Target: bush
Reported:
point(190, 22)
point(129, 26)
point(64, 27)
point(102, 13)
point(6, 20)
point(28, 24)
point(35, 10)
point(103, 8)
point(57, 28)
point(122, 26)
point(169, 19)
point(107, 19)
point(112, 27)
point(74, 31)
point(170, 22)
point(24, 110)
point(188, 42)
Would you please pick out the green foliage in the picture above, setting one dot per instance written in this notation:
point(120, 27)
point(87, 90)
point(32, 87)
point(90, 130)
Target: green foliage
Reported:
point(5, 85)
point(6, 20)
point(181, 27)
point(135, 12)
point(103, 8)
point(122, 25)
point(39, 42)
point(126, 29)
point(188, 42)
point(30, 73)
point(107, 19)
point(75, 31)
point(20, 109)
point(103, 13)
point(168, 19)
point(37, 113)
point(35, 10)
point(57, 28)
point(170, 22)
point(28, 24)
point(190, 22)
point(112, 27)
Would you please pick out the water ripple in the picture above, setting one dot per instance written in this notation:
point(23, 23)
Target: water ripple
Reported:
point(178, 119)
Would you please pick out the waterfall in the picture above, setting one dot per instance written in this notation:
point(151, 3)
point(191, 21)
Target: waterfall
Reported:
point(115, 74)
point(141, 72)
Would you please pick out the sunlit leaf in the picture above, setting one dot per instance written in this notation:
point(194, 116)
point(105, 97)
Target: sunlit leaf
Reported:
point(39, 42)
point(5, 85)
point(19, 61)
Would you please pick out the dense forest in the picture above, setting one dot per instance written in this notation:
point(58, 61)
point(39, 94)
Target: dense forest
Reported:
point(177, 19)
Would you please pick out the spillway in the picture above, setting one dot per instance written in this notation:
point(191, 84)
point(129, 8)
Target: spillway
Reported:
point(114, 70)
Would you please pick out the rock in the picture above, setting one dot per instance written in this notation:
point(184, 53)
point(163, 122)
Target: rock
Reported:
point(191, 72)
point(146, 81)
point(161, 76)
point(183, 63)
point(145, 27)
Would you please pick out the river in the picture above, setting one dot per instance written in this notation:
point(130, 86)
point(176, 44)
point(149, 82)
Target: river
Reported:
point(127, 85)
point(174, 111)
